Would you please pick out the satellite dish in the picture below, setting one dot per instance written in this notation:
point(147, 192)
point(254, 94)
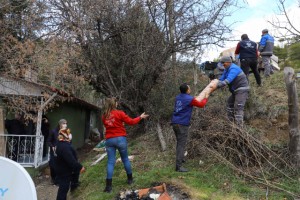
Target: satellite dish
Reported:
point(15, 182)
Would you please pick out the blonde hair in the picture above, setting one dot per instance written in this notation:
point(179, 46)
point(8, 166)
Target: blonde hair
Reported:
point(109, 105)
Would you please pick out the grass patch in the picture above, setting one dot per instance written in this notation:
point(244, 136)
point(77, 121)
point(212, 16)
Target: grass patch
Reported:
point(33, 172)
point(210, 180)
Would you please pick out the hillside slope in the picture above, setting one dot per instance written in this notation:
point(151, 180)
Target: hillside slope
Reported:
point(224, 162)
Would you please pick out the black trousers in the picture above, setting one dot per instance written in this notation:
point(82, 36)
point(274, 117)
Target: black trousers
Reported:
point(251, 63)
point(52, 167)
point(66, 183)
point(181, 133)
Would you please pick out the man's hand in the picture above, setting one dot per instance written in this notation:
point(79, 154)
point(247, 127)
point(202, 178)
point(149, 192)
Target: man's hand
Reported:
point(82, 170)
point(144, 116)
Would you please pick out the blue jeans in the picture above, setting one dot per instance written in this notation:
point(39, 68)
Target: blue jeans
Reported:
point(112, 144)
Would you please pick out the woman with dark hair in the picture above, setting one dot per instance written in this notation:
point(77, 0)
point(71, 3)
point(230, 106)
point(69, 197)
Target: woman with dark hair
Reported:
point(115, 135)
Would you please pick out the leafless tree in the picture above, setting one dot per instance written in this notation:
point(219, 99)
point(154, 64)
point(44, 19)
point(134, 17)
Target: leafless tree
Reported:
point(127, 44)
point(283, 21)
point(23, 49)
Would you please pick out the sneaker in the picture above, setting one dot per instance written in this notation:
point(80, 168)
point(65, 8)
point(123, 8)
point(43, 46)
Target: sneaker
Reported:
point(181, 169)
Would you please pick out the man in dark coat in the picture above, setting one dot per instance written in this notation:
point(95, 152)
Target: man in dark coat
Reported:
point(247, 51)
point(52, 142)
point(181, 118)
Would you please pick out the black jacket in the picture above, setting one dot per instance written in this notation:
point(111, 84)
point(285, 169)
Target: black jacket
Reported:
point(15, 127)
point(248, 49)
point(52, 139)
point(66, 162)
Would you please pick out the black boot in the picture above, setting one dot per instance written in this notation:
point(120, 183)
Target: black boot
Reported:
point(108, 186)
point(129, 179)
point(181, 169)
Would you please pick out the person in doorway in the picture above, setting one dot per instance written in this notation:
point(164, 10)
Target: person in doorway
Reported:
point(115, 136)
point(235, 78)
point(45, 132)
point(265, 49)
point(67, 166)
point(181, 118)
point(247, 51)
point(15, 127)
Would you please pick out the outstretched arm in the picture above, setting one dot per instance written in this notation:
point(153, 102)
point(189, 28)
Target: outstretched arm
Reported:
point(133, 121)
point(199, 104)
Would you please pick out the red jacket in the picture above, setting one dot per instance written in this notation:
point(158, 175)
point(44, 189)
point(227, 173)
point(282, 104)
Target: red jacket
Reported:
point(114, 124)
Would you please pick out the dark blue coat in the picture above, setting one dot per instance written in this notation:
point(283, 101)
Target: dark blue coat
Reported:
point(52, 139)
point(183, 109)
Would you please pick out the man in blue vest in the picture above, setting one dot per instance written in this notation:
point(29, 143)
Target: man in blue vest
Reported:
point(181, 118)
point(265, 48)
point(247, 51)
point(234, 77)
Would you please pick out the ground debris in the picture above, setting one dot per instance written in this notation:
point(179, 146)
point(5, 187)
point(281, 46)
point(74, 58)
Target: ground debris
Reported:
point(128, 195)
point(134, 195)
point(160, 192)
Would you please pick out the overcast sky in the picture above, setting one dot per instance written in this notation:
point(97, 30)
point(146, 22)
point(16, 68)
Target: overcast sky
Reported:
point(253, 19)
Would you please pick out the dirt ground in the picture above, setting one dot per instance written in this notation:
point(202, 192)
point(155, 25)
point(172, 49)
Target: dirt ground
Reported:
point(45, 189)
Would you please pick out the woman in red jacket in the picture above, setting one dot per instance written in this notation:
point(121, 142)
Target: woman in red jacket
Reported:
point(115, 135)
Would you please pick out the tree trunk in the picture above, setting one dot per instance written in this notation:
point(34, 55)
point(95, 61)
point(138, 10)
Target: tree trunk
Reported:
point(294, 134)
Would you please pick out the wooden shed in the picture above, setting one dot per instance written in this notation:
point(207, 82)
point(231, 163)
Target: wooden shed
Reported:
point(82, 117)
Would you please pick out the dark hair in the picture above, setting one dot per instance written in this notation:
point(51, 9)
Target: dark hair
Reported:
point(184, 88)
point(244, 37)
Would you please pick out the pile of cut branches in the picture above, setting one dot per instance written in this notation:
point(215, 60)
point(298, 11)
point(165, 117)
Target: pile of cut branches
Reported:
point(241, 149)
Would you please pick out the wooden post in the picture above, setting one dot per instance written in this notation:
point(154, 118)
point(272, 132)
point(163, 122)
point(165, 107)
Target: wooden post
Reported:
point(2, 139)
point(161, 138)
point(195, 75)
point(294, 134)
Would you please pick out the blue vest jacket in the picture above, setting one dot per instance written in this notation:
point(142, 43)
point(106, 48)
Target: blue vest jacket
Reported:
point(248, 49)
point(235, 78)
point(266, 45)
point(182, 110)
